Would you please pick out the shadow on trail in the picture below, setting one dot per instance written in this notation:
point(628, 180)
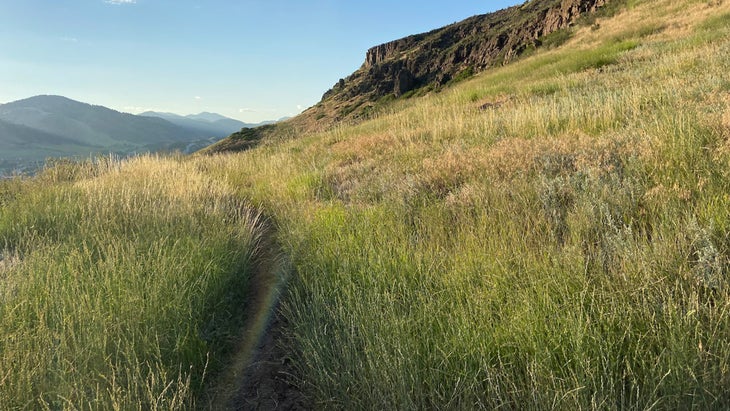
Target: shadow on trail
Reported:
point(260, 375)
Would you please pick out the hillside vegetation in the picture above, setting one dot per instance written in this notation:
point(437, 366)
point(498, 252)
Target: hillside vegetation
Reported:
point(123, 285)
point(416, 64)
point(551, 234)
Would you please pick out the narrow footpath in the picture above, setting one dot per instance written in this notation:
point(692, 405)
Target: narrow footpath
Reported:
point(261, 375)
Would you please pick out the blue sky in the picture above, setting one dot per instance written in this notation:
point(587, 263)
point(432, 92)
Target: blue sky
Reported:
point(252, 60)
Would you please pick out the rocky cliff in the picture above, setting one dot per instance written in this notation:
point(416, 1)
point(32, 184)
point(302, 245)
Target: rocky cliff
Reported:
point(427, 61)
point(472, 45)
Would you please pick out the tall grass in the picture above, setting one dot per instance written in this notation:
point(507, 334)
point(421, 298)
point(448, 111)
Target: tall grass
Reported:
point(552, 234)
point(123, 285)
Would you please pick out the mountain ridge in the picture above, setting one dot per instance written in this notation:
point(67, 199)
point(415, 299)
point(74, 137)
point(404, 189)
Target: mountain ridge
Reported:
point(43, 126)
point(213, 124)
point(459, 50)
point(207, 116)
point(90, 123)
point(426, 62)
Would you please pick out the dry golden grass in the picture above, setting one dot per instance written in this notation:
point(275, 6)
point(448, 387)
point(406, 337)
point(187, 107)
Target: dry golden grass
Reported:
point(656, 20)
point(157, 179)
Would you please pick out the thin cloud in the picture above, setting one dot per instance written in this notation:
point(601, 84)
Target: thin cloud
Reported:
point(256, 110)
point(118, 2)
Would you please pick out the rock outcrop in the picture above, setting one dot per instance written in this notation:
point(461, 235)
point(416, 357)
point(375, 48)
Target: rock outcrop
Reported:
point(426, 61)
point(473, 45)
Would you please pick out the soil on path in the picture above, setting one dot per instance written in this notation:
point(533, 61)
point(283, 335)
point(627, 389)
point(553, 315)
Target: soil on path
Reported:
point(261, 375)
point(267, 382)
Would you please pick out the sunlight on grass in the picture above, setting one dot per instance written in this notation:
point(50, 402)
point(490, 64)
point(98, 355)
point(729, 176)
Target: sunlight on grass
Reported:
point(123, 287)
point(551, 234)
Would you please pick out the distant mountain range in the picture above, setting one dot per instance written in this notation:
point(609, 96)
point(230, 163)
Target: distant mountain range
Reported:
point(40, 127)
point(207, 123)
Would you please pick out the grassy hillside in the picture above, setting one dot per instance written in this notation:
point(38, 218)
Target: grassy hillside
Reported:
point(552, 234)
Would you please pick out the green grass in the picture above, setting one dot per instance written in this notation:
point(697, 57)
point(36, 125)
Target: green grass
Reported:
point(716, 23)
point(551, 234)
point(556, 38)
point(566, 248)
point(123, 285)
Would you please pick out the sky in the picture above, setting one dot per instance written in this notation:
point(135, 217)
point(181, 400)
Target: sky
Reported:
point(252, 60)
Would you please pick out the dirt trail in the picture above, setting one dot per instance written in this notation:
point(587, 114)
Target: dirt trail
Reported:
point(267, 380)
point(261, 376)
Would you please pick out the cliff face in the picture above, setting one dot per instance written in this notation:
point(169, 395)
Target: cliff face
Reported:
point(474, 44)
point(479, 39)
point(433, 58)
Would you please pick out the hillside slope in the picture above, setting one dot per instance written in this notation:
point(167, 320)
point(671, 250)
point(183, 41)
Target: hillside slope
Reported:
point(549, 234)
point(457, 51)
point(425, 62)
point(17, 137)
point(40, 127)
